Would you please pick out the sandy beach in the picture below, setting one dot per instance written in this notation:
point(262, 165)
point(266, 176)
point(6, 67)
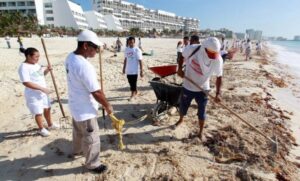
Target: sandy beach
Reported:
point(260, 90)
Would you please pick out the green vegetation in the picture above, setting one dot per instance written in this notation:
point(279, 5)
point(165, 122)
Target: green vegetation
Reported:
point(16, 23)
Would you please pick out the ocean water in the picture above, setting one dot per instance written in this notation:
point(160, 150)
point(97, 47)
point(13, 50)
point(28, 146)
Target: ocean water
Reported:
point(288, 53)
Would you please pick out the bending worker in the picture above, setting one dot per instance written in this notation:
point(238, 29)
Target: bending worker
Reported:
point(202, 61)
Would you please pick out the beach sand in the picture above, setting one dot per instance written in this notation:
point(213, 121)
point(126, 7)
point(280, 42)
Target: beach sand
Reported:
point(256, 89)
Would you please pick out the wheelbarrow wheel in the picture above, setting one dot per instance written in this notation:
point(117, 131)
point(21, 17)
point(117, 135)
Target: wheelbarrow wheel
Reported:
point(160, 113)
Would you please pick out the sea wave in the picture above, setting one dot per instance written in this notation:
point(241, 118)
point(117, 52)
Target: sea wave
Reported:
point(287, 57)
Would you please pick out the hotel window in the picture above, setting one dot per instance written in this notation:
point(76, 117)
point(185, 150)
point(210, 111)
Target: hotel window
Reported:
point(21, 3)
point(11, 3)
point(49, 12)
point(30, 3)
point(22, 11)
point(50, 19)
point(48, 5)
point(2, 4)
point(31, 11)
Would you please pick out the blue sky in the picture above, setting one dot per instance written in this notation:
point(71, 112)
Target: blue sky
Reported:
point(274, 17)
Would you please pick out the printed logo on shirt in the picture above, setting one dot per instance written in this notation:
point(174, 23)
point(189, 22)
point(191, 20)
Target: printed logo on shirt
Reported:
point(196, 67)
point(38, 73)
point(130, 55)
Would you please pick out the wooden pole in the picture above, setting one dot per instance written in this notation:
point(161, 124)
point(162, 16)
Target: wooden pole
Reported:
point(53, 80)
point(101, 78)
point(232, 112)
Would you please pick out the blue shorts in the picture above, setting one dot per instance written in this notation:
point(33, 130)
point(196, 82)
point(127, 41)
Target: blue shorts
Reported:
point(186, 99)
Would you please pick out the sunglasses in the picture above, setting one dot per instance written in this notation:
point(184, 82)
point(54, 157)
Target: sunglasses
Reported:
point(90, 44)
point(211, 54)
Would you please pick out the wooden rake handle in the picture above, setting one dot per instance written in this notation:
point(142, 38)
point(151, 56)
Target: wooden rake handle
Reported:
point(101, 79)
point(232, 112)
point(53, 79)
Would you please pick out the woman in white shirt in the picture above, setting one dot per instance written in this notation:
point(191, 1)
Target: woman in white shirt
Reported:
point(36, 91)
point(132, 65)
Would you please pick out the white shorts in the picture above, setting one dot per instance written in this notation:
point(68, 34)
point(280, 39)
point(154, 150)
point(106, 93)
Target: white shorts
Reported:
point(36, 105)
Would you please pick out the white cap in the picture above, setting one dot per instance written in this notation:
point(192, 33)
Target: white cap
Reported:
point(212, 43)
point(88, 35)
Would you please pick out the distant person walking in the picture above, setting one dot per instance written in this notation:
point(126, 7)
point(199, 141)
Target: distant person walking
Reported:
point(140, 44)
point(223, 43)
point(119, 45)
point(179, 50)
point(248, 48)
point(36, 91)
point(258, 48)
point(20, 41)
point(84, 95)
point(7, 39)
point(242, 44)
point(132, 65)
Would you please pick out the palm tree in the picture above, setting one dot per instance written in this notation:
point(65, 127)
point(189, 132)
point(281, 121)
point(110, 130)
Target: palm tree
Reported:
point(14, 22)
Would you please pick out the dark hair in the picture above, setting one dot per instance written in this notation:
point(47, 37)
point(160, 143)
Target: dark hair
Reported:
point(179, 43)
point(80, 44)
point(29, 51)
point(131, 38)
point(195, 38)
point(186, 38)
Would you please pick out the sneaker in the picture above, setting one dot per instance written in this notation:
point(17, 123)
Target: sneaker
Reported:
point(44, 132)
point(100, 169)
point(53, 126)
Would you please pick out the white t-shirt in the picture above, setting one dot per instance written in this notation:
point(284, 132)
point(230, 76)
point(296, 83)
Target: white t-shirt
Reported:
point(248, 46)
point(32, 73)
point(179, 49)
point(183, 47)
point(132, 55)
point(200, 68)
point(82, 80)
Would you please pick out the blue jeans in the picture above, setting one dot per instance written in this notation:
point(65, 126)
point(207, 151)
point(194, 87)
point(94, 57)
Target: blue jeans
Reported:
point(186, 99)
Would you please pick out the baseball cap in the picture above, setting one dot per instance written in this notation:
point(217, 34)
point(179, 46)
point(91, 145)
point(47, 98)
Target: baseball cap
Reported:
point(212, 44)
point(89, 36)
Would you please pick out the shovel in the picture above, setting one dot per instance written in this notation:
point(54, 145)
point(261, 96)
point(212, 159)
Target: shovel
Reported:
point(62, 121)
point(274, 146)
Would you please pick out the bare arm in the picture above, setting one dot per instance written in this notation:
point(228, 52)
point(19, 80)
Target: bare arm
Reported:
point(180, 62)
point(124, 66)
point(47, 70)
point(141, 68)
point(36, 87)
point(100, 97)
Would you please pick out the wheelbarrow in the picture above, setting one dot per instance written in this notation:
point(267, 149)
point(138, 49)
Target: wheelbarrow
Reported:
point(168, 94)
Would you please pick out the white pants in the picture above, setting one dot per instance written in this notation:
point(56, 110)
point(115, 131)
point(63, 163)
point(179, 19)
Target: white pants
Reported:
point(36, 105)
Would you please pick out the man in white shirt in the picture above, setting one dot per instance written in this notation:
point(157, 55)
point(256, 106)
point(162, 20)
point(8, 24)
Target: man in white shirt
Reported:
point(84, 95)
point(132, 64)
point(248, 48)
point(202, 61)
point(186, 42)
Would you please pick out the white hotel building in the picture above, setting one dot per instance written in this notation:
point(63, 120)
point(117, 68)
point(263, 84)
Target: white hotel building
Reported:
point(114, 15)
point(49, 12)
point(133, 15)
point(95, 20)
